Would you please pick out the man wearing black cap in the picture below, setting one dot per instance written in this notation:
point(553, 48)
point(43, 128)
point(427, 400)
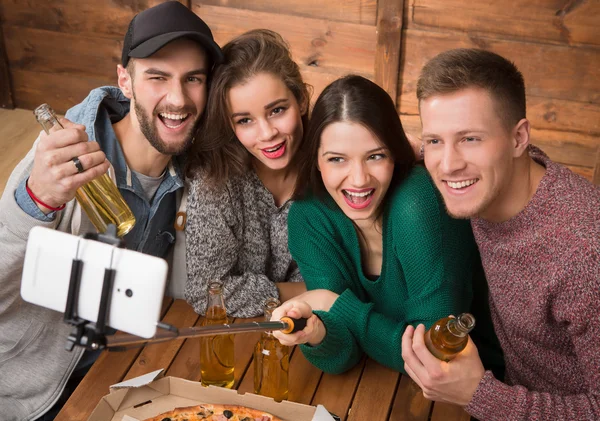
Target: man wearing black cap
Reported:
point(141, 129)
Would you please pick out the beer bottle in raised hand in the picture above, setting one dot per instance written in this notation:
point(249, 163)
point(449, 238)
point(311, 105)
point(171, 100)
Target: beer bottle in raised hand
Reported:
point(448, 336)
point(99, 198)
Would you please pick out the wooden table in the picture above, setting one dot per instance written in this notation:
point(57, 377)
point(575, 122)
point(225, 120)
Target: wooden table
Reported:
point(369, 391)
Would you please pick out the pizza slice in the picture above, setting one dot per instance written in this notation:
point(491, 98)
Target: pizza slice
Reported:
point(215, 412)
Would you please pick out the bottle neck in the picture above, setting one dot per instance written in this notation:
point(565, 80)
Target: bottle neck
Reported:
point(216, 303)
point(216, 300)
point(269, 306)
point(47, 118)
point(461, 325)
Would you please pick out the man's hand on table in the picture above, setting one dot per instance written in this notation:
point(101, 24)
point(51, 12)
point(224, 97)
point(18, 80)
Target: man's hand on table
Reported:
point(452, 382)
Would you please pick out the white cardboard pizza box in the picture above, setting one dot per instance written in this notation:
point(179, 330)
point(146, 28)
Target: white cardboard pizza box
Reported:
point(151, 394)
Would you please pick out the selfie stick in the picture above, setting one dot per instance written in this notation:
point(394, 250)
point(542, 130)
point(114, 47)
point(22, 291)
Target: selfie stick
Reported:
point(285, 325)
point(92, 336)
point(86, 334)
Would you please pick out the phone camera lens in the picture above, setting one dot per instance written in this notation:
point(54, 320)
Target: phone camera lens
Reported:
point(128, 292)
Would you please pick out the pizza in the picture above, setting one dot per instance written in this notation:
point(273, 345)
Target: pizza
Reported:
point(214, 412)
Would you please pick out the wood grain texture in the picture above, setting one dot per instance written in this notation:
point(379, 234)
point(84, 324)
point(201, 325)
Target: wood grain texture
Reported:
point(375, 386)
point(18, 131)
point(352, 11)
point(443, 412)
point(187, 363)
point(567, 148)
point(564, 21)
point(337, 47)
point(563, 115)
point(80, 17)
point(58, 68)
point(335, 391)
point(161, 355)
point(97, 383)
point(56, 52)
point(324, 50)
point(375, 393)
point(61, 91)
point(304, 378)
point(585, 172)
point(6, 96)
point(551, 71)
point(389, 34)
point(245, 383)
point(409, 402)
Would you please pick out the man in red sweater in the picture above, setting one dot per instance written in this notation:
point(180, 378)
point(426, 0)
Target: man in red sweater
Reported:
point(537, 226)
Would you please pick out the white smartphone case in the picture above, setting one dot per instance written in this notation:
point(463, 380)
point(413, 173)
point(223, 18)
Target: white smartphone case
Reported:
point(138, 286)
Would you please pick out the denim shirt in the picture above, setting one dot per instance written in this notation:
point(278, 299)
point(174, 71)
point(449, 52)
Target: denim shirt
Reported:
point(154, 231)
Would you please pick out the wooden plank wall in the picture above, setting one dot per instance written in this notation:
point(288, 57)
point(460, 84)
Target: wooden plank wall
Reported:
point(6, 100)
point(57, 51)
point(327, 39)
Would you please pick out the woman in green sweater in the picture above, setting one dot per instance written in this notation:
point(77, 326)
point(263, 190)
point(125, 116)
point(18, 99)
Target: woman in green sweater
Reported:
point(370, 234)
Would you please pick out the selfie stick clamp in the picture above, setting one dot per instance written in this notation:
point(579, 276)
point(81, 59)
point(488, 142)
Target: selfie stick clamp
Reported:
point(91, 336)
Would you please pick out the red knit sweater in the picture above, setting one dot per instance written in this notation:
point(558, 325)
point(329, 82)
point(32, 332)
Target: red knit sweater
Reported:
point(543, 270)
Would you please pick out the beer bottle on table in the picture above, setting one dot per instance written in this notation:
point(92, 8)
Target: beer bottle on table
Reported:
point(216, 352)
point(99, 198)
point(448, 336)
point(271, 361)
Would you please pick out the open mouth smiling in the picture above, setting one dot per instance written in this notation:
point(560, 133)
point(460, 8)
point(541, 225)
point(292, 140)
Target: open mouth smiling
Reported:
point(274, 148)
point(275, 152)
point(358, 199)
point(173, 120)
point(457, 185)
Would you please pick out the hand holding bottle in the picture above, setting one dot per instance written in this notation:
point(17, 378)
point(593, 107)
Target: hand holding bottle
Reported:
point(453, 382)
point(60, 160)
point(314, 332)
point(447, 337)
point(55, 177)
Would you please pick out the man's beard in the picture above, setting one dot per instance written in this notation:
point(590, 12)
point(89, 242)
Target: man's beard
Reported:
point(150, 132)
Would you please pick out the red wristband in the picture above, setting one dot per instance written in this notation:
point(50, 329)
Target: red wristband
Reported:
point(36, 200)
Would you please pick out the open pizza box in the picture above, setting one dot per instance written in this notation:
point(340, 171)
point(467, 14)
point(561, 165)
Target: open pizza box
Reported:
point(152, 394)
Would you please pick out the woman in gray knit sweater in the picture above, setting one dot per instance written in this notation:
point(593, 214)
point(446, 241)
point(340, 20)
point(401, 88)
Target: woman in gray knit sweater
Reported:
point(240, 190)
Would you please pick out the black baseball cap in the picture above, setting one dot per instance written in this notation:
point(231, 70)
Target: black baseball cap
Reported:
point(154, 28)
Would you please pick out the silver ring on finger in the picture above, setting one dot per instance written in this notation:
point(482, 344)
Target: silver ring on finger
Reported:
point(78, 165)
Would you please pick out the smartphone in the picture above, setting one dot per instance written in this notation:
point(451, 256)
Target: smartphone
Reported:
point(138, 288)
